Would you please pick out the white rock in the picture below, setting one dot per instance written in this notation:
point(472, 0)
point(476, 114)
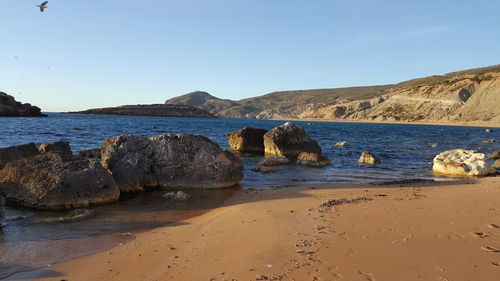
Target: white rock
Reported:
point(460, 162)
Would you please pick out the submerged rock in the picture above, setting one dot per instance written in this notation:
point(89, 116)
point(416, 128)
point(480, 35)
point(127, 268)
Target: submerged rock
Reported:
point(340, 144)
point(313, 160)
point(289, 140)
point(247, 139)
point(368, 158)
point(90, 153)
point(179, 196)
point(51, 181)
point(264, 170)
point(170, 161)
point(274, 161)
point(460, 162)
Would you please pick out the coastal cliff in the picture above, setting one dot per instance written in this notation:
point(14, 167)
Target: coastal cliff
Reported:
point(9, 107)
point(161, 110)
point(464, 96)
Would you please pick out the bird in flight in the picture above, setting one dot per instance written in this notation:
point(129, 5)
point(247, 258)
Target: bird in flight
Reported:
point(43, 6)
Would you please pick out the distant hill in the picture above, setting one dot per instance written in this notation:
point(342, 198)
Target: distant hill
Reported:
point(161, 110)
point(468, 95)
point(9, 107)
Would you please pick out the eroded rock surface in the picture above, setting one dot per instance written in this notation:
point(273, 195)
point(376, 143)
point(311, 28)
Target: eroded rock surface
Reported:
point(179, 161)
point(247, 139)
point(289, 140)
point(460, 162)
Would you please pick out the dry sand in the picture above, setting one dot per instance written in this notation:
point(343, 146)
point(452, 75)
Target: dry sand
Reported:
point(444, 231)
point(486, 124)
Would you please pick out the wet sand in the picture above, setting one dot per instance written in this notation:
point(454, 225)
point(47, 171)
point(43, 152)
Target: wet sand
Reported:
point(428, 231)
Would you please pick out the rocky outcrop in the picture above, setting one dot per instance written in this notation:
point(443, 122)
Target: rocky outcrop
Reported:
point(274, 161)
point(61, 147)
point(90, 153)
point(179, 161)
point(54, 181)
point(14, 153)
point(160, 110)
point(368, 159)
point(289, 140)
point(495, 155)
point(9, 107)
point(460, 162)
point(464, 96)
point(313, 159)
point(247, 139)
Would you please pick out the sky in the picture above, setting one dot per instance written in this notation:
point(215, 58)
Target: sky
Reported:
point(87, 54)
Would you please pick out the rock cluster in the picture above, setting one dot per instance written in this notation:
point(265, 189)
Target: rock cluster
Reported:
point(460, 162)
point(50, 178)
point(171, 161)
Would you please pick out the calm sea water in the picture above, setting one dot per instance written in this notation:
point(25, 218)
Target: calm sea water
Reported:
point(405, 150)
point(29, 240)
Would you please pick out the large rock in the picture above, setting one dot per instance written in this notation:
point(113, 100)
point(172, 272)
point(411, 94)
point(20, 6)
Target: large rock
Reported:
point(90, 153)
point(13, 153)
point(61, 147)
point(9, 107)
point(312, 159)
point(247, 139)
point(170, 161)
point(460, 162)
point(368, 159)
point(289, 140)
point(496, 164)
point(51, 181)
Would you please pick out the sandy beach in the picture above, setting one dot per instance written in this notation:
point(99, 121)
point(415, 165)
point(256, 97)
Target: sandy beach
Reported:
point(445, 230)
point(485, 124)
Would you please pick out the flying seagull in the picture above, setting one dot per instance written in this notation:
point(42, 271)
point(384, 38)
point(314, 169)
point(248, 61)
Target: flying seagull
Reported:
point(43, 6)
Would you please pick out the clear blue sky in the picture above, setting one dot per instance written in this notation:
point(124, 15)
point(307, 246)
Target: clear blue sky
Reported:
point(85, 54)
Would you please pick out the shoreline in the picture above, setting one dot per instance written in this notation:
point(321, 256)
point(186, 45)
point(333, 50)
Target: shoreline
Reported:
point(437, 230)
point(482, 124)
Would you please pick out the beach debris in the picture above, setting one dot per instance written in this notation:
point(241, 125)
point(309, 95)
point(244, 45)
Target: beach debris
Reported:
point(494, 226)
point(268, 265)
point(289, 140)
point(274, 161)
point(328, 204)
point(489, 141)
point(368, 159)
point(247, 139)
point(313, 159)
point(490, 249)
point(340, 144)
point(43, 6)
point(177, 196)
point(460, 162)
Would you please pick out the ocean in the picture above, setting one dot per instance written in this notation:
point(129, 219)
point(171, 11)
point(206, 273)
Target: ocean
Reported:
point(34, 239)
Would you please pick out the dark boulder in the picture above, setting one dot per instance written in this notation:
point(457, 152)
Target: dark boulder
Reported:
point(247, 139)
point(179, 161)
point(90, 153)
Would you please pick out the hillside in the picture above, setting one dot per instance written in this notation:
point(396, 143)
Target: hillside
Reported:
point(161, 110)
point(469, 95)
point(9, 107)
